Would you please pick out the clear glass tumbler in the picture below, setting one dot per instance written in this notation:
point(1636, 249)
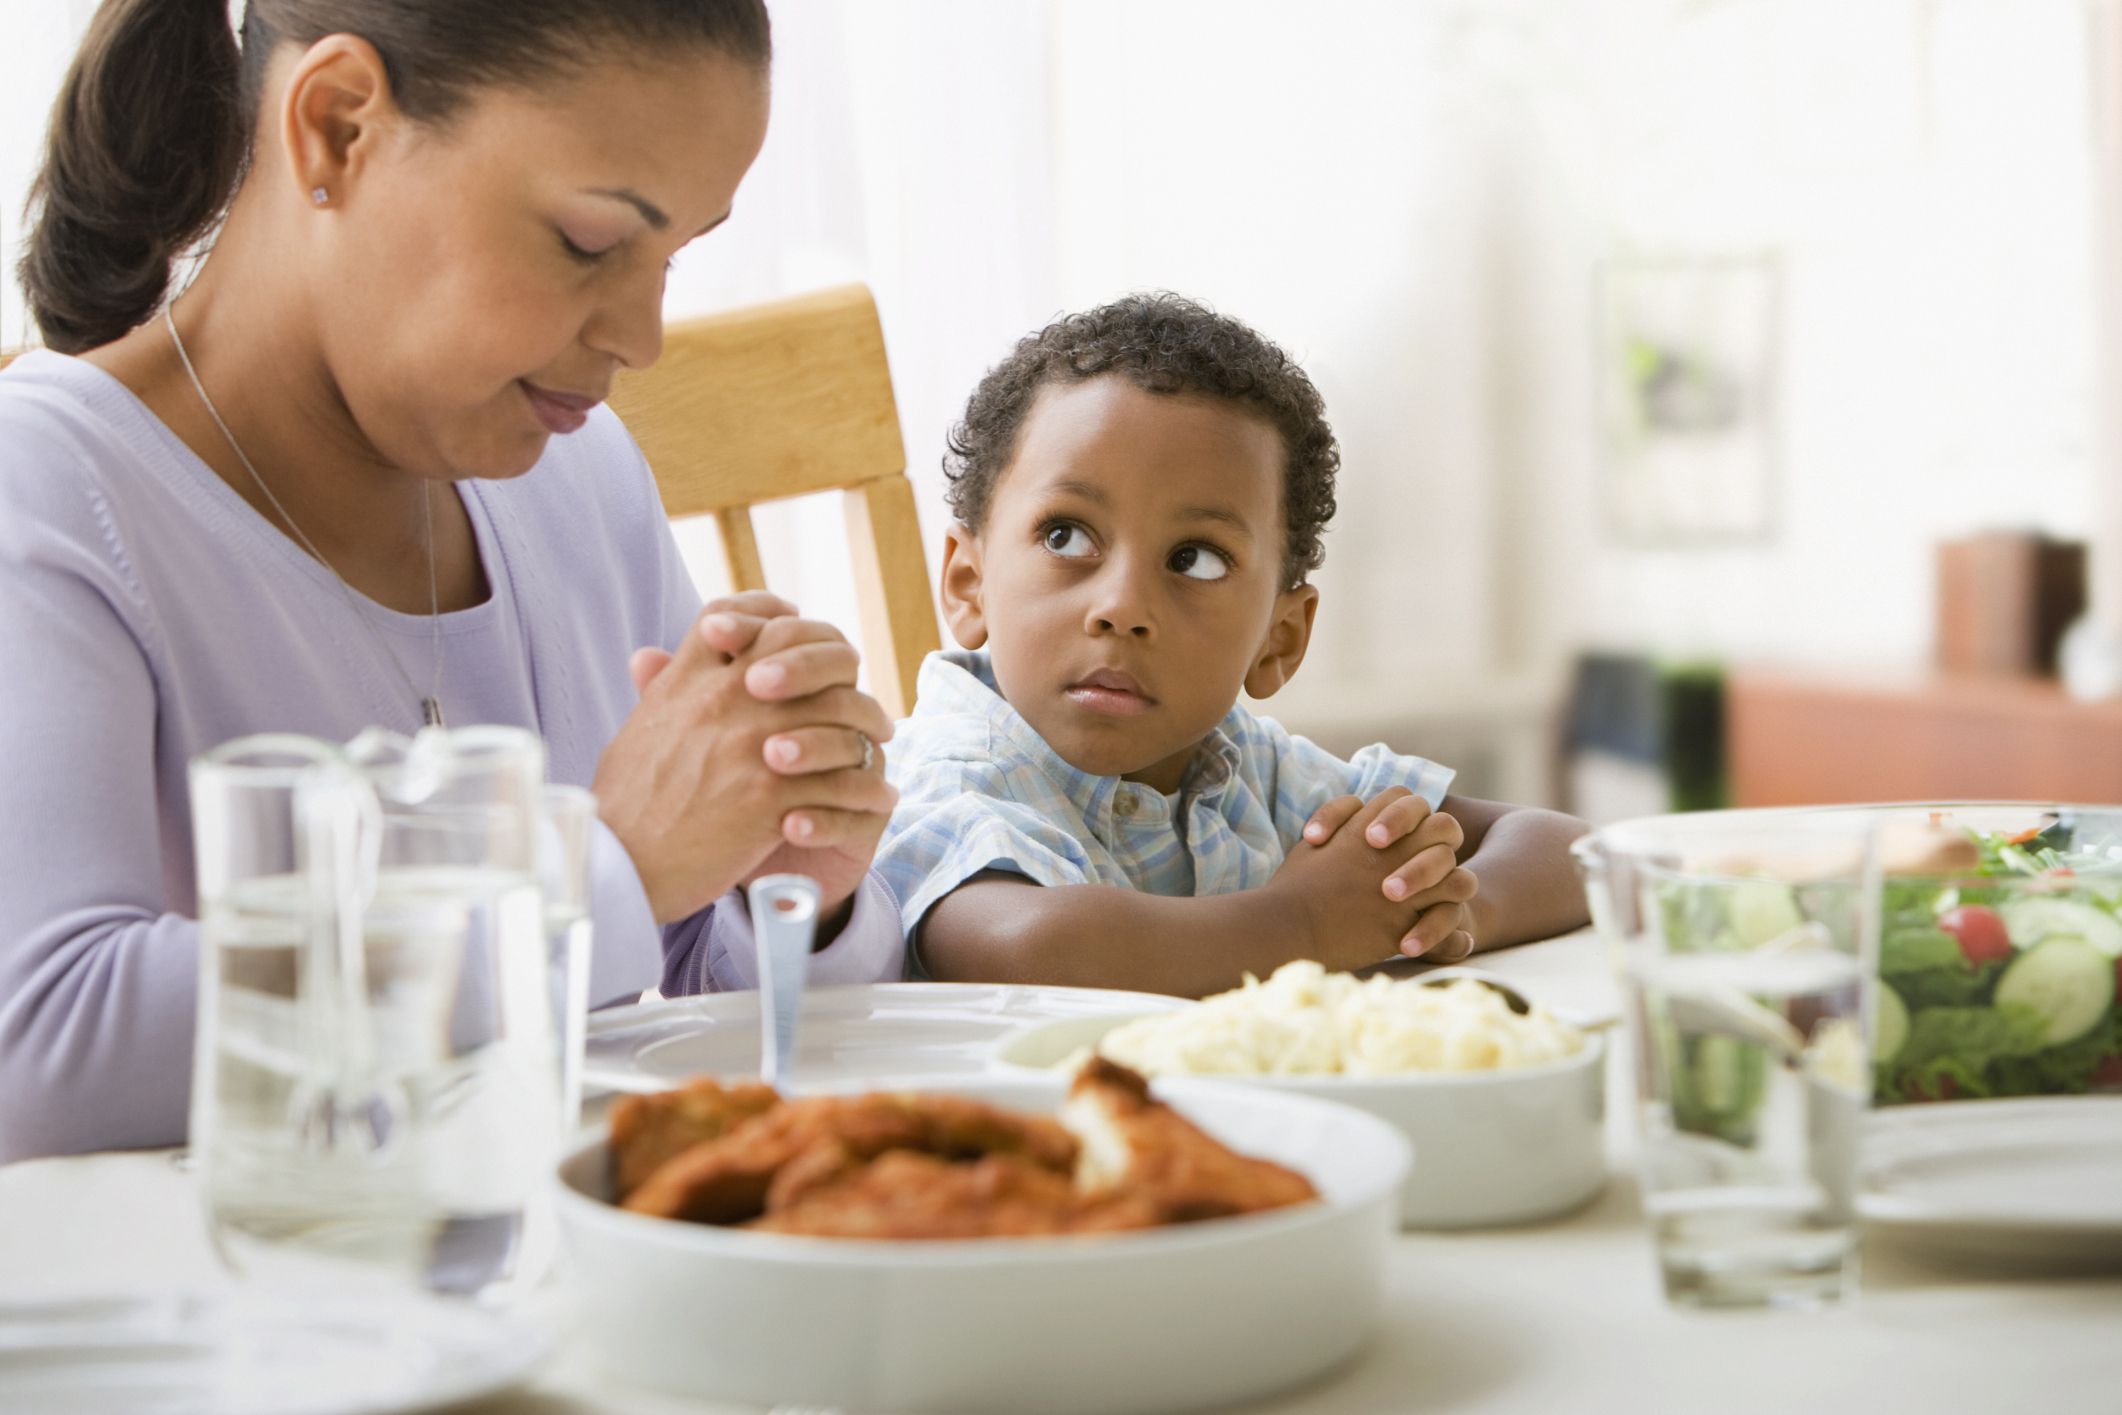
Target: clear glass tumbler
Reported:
point(563, 870)
point(376, 1102)
point(1748, 941)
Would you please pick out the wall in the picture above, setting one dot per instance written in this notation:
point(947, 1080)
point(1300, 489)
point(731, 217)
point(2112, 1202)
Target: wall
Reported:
point(1412, 196)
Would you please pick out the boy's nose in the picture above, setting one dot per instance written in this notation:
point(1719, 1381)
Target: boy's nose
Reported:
point(1120, 607)
point(1122, 625)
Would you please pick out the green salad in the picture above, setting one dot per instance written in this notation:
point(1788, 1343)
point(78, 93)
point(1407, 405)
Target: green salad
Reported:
point(2003, 984)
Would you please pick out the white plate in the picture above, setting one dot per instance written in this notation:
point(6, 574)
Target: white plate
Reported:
point(883, 1029)
point(1197, 1317)
point(238, 1356)
point(2027, 1182)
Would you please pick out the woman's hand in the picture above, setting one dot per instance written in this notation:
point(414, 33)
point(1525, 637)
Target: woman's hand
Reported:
point(743, 757)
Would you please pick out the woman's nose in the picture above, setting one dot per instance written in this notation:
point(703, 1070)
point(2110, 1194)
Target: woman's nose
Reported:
point(629, 326)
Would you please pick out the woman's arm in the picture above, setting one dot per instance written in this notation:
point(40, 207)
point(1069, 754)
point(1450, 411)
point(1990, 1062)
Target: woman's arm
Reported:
point(1528, 884)
point(97, 978)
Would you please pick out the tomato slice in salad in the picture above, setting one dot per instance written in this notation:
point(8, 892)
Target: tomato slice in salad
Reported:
point(1980, 933)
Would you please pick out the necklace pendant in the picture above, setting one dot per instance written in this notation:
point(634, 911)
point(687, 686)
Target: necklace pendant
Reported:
point(431, 712)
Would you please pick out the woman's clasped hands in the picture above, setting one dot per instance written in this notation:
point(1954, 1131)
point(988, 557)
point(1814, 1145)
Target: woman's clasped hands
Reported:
point(751, 752)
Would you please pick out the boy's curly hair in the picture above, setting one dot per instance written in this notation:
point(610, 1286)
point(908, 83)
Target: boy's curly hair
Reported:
point(1163, 343)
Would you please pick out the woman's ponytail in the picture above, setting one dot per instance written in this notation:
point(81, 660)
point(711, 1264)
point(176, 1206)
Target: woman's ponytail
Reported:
point(147, 141)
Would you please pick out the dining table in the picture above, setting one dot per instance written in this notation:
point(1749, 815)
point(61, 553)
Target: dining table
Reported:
point(1549, 1318)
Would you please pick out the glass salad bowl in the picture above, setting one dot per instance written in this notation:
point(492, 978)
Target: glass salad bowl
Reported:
point(2000, 952)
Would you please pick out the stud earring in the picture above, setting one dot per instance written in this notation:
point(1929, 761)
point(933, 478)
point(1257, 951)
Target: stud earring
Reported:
point(320, 196)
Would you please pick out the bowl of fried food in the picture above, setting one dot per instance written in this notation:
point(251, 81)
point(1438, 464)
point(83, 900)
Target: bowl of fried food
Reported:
point(1506, 1108)
point(1078, 1244)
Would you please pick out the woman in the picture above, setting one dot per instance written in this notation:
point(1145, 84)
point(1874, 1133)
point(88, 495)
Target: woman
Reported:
point(357, 472)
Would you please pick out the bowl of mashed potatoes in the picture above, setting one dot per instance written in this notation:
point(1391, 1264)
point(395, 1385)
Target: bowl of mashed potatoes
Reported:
point(1506, 1109)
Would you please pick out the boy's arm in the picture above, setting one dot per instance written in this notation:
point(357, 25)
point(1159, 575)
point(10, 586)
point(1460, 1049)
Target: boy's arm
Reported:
point(1528, 884)
point(1002, 928)
point(1325, 903)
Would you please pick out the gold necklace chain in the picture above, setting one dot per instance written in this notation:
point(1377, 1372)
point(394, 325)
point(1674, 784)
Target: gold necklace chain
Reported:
point(430, 704)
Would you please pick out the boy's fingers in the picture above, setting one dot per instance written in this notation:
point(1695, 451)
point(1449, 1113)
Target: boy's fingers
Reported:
point(1377, 806)
point(1434, 928)
point(1458, 946)
point(1404, 814)
point(1326, 822)
point(1458, 887)
point(1429, 869)
point(1441, 828)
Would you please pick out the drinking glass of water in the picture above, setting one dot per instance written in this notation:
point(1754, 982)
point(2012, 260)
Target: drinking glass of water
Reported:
point(376, 1099)
point(1748, 940)
point(570, 821)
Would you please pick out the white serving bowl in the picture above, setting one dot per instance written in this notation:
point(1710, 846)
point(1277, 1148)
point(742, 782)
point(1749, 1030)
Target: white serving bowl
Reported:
point(1491, 1147)
point(1189, 1317)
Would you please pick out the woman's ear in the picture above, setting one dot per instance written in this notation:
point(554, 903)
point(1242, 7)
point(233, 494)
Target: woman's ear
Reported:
point(334, 113)
point(1289, 634)
point(962, 585)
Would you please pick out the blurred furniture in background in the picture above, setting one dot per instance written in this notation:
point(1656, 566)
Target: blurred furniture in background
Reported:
point(2005, 599)
point(1992, 723)
point(1804, 739)
point(1497, 733)
point(781, 400)
point(1641, 737)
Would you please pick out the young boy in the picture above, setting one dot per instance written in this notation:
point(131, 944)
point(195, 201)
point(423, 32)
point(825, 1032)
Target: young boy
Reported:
point(1139, 495)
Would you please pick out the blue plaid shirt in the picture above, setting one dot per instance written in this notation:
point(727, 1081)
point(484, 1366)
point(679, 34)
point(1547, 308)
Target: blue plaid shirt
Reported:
point(980, 790)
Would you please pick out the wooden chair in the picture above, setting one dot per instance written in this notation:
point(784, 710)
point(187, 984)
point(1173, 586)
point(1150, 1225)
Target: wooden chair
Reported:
point(781, 400)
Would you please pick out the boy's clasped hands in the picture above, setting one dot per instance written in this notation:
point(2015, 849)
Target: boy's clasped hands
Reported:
point(1377, 877)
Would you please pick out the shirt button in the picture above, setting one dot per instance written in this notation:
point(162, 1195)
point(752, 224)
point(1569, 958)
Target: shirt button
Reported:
point(1124, 803)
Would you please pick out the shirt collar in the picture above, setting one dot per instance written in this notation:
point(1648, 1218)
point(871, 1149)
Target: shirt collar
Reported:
point(963, 681)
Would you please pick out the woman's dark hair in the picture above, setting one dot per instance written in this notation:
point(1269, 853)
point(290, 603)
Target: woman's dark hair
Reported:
point(152, 129)
point(1162, 343)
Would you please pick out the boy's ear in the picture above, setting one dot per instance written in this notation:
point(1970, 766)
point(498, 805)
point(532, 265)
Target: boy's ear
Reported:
point(962, 584)
point(1289, 634)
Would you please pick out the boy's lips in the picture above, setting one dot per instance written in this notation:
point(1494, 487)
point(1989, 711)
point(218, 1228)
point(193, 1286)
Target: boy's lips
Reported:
point(1110, 691)
point(560, 412)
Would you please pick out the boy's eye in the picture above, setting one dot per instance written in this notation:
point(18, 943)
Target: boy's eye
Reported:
point(1198, 562)
point(1067, 540)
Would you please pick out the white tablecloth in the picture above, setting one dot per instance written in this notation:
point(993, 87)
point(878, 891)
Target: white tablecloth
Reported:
point(1554, 1319)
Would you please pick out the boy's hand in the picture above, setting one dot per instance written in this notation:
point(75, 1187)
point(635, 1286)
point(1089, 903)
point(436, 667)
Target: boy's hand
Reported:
point(1378, 877)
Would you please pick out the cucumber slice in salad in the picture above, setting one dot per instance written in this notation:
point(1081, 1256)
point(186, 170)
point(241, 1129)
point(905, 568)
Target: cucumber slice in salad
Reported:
point(2066, 982)
point(1889, 1024)
point(1762, 910)
point(2034, 918)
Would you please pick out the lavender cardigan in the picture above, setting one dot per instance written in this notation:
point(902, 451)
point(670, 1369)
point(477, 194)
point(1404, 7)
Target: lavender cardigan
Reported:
point(147, 613)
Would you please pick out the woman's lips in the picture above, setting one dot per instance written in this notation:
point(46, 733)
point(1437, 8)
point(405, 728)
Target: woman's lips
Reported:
point(561, 413)
point(1111, 692)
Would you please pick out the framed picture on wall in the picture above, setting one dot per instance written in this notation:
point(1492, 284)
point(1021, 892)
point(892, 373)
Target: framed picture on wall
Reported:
point(1686, 351)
